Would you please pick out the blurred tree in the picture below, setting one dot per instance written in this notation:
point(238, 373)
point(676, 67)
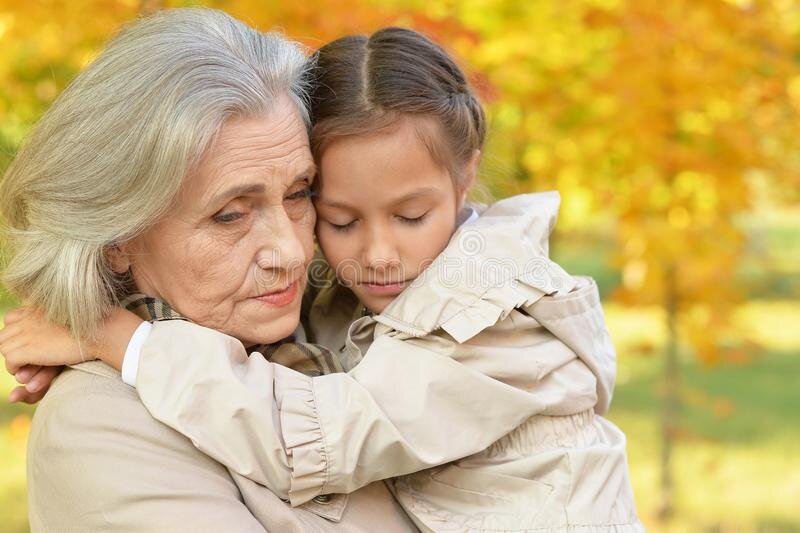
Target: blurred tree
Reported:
point(700, 92)
point(44, 44)
point(658, 113)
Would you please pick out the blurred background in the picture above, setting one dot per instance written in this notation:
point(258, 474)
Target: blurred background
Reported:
point(671, 129)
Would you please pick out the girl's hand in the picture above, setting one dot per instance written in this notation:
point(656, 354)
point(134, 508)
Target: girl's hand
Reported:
point(30, 339)
point(35, 349)
point(35, 382)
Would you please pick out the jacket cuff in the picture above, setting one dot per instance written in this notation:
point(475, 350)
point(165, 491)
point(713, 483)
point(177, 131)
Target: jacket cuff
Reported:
point(303, 435)
point(133, 352)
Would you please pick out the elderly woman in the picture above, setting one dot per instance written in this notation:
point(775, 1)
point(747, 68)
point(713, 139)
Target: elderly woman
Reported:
point(125, 194)
point(124, 186)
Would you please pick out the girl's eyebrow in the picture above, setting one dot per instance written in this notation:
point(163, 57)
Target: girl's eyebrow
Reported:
point(332, 203)
point(413, 195)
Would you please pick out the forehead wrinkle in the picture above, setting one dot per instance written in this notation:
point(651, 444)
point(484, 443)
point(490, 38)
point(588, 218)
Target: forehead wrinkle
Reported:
point(276, 180)
point(254, 153)
point(269, 132)
point(256, 165)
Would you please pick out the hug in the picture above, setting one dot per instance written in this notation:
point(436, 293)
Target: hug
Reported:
point(162, 219)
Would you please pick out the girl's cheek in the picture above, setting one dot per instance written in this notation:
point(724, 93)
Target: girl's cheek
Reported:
point(325, 245)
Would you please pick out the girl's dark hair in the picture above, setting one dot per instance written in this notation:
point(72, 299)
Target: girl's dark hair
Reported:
point(366, 84)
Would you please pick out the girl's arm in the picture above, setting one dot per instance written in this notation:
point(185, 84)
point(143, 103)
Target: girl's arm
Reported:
point(404, 408)
point(34, 348)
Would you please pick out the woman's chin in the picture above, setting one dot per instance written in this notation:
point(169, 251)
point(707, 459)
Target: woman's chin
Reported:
point(274, 329)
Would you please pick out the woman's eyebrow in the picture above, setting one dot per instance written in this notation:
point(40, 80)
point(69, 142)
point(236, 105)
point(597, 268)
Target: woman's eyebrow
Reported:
point(309, 173)
point(238, 190)
point(258, 188)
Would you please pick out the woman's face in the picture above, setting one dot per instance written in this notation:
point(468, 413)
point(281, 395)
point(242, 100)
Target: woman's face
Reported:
point(232, 253)
point(385, 209)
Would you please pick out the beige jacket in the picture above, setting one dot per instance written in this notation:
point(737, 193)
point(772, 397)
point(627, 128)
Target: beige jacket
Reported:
point(493, 367)
point(97, 461)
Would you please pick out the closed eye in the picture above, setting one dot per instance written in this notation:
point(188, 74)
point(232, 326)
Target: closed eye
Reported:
point(343, 227)
point(412, 220)
point(227, 218)
point(308, 192)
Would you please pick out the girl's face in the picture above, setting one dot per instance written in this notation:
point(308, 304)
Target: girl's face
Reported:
point(385, 211)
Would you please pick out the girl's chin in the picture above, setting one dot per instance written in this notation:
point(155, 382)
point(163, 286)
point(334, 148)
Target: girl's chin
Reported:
point(376, 304)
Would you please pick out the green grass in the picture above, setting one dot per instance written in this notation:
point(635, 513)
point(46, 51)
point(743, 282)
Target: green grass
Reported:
point(736, 461)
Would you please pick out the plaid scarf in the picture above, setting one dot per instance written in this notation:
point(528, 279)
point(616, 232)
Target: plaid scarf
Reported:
point(309, 359)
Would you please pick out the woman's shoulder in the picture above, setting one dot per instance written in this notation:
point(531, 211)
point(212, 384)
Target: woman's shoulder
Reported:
point(95, 454)
point(79, 386)
point(89, 404)
point(89, 400)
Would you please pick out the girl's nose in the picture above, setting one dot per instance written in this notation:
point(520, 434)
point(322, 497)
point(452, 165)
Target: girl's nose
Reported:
point(381, 252)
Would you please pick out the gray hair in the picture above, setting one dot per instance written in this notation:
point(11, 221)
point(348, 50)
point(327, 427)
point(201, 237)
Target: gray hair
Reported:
point(108, 158)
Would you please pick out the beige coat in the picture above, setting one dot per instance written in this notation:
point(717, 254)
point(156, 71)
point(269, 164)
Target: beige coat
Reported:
point(488, 375)
point(97, 461)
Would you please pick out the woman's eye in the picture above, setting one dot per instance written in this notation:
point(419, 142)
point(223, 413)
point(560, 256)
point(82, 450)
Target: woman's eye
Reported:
point(308, 192)
point(412, 220)
point(228, 217)
point(297, 205)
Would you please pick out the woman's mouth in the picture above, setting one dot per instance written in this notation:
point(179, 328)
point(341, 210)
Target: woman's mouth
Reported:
point(280, 297)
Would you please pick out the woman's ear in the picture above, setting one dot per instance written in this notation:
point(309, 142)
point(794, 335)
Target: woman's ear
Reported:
point(118, 258)
point(469, 177)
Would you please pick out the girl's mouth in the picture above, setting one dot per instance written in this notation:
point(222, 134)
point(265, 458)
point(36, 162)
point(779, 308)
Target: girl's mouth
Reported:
point(385, 289)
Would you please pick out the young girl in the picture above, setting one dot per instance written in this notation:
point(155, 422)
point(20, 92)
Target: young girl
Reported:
point(472, 303)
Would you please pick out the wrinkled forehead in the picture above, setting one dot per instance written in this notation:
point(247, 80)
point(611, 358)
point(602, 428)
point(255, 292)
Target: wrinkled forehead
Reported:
point(271, 149)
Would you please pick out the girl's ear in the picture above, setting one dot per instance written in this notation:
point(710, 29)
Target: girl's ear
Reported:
point(118, 257)
point(470, 175)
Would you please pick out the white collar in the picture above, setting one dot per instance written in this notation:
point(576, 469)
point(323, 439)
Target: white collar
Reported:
point(467, 215)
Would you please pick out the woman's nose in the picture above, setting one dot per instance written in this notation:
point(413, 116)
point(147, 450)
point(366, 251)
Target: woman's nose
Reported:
point(282, 245)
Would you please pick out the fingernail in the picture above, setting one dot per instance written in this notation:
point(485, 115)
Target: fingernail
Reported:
point(14, 396)
point(23, 376)
point(33, 386)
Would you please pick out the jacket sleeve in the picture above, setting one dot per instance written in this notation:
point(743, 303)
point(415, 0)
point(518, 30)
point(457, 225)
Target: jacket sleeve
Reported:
point(404, 408)
point(577, 319)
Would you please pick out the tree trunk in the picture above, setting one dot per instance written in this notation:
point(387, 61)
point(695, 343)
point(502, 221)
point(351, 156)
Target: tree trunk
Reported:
point(670, 400)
